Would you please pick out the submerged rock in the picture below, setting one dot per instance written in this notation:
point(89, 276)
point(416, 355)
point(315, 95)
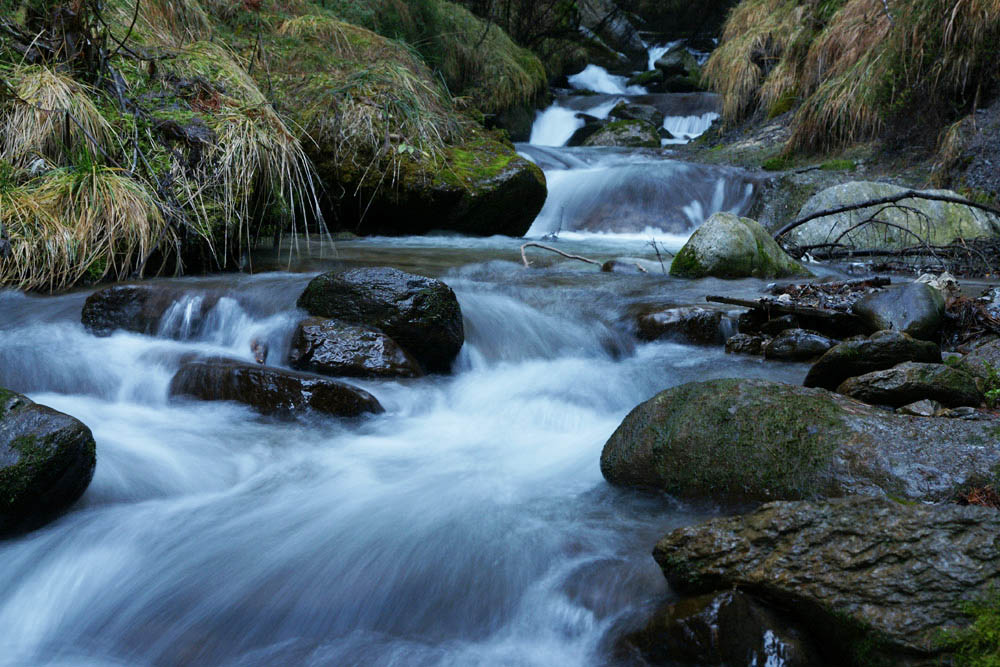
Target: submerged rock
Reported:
point(627, 133)
point(421, 314)
point(726, 628)
point(881, 350)
point(728, 246)
point(47, 460)
point(868, 573)
point(136, 308)
point(746, 440)
point(797, 345)
point(698, 325)
point(938, 223)
point(334, 348)
point(909, 382)
point(913, 308)
point(271, 391)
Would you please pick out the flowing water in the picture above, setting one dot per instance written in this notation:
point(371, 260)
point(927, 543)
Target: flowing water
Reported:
point(468, 525)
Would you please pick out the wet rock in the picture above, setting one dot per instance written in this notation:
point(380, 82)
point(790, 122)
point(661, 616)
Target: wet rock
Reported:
point(775, 325)
point(678, 61)
point(680, 84)
point(698, 325)
point(626, 133)
point(938, 223)
point(913, 308)
point(910, 381)
point(726, 628)
point(747, 440)
point(797, 345)
point(646, 112)
point(421, 314)
point(651, 80)
point(334, 348)
point(270, 391)
point(590, 127)
point(871, 573)
point(728, 246)
point(633, 266)
point(924, 408)
point(743, 343)
point(136, 308)
point(47, 460)
point(982, 360)
point(881, 350)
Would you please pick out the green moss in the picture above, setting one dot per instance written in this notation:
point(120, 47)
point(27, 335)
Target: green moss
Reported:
point(686, 265)
point(778, 163)
point(978, 644)
point(838, 165)
point(786, 102)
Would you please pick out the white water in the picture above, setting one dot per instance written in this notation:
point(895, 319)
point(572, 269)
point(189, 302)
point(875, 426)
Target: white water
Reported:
point(554, 126)
point(597, 79)
point(656, 52)
point(467, 525)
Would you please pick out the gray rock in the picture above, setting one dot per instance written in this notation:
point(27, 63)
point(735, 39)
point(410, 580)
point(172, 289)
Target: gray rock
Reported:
point(983, 360)
point(697, 325)
point(940, 223)
point(47, 460)
point(924, 408)
point(728, 246)
point(797, 345)
point(876, 573)
point(913, 308)
point(727, 628)
point(911, 381)
point(743, 343)
point(646, 112)
point(334, 348)
point(270, 391)
point(627, 133)
point(881, 350)
point(748, 440)
point(678, 61)
point(421, 314)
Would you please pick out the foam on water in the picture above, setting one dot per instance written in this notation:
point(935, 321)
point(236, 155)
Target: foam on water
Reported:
point(599, 80)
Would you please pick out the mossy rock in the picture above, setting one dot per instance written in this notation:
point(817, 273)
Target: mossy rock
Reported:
point(728, 246)
point(47, 460)
point(748, 440)
point(626, 133)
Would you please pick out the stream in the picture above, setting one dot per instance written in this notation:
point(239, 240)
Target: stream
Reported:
point(468, 525)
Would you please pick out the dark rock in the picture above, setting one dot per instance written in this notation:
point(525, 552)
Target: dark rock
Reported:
point(881, 350)
point(646, 112)
point(727, 628)
point(650, 80)
point(680, 84)
point(775, 325)
point(136, 308)
point(47, 460)
point(678, 61)
point(913, 308)
point(797, 345)
point(591, 125)
point(870, 573)
point(334, 348)
point(421, 314)
point(698, 325)
point(747, 440)
point(982, 360)
point(259, 350)
point(271, 391)
point(909, 382)
point(743, 343)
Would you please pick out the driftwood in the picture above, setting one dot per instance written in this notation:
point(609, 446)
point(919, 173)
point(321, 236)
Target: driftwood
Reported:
point(532, 244)
point(827, 321)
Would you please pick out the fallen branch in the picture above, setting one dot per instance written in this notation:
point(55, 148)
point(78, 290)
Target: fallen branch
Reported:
point(532, 244)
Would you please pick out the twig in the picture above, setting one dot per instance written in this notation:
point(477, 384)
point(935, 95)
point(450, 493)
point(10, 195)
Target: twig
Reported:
point(532, 244)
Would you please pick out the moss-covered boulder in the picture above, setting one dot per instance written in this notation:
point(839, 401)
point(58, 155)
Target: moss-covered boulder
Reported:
point(745, 440)
point(420, 314)
point(910, 382)
point(876, 580)
point(728, 246)
point(881, 350)
point(936, 222)
point(47, 460)
point(626, 133)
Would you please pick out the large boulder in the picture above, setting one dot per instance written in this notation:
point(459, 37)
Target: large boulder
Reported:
point(677, 61)
point(935, 222)
point(47, 460)
point(140, 309)
point(747, 440)
point(646, 112)
point(725, 628)
point(872, 575)
point(881, 350)
point(910, 382)
point(482, 187)
point(913, 308)
point(697, 325)
point(334, 348)
point(270, 391)
point(421, 314)
point(626, 133)
point(728, 246)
